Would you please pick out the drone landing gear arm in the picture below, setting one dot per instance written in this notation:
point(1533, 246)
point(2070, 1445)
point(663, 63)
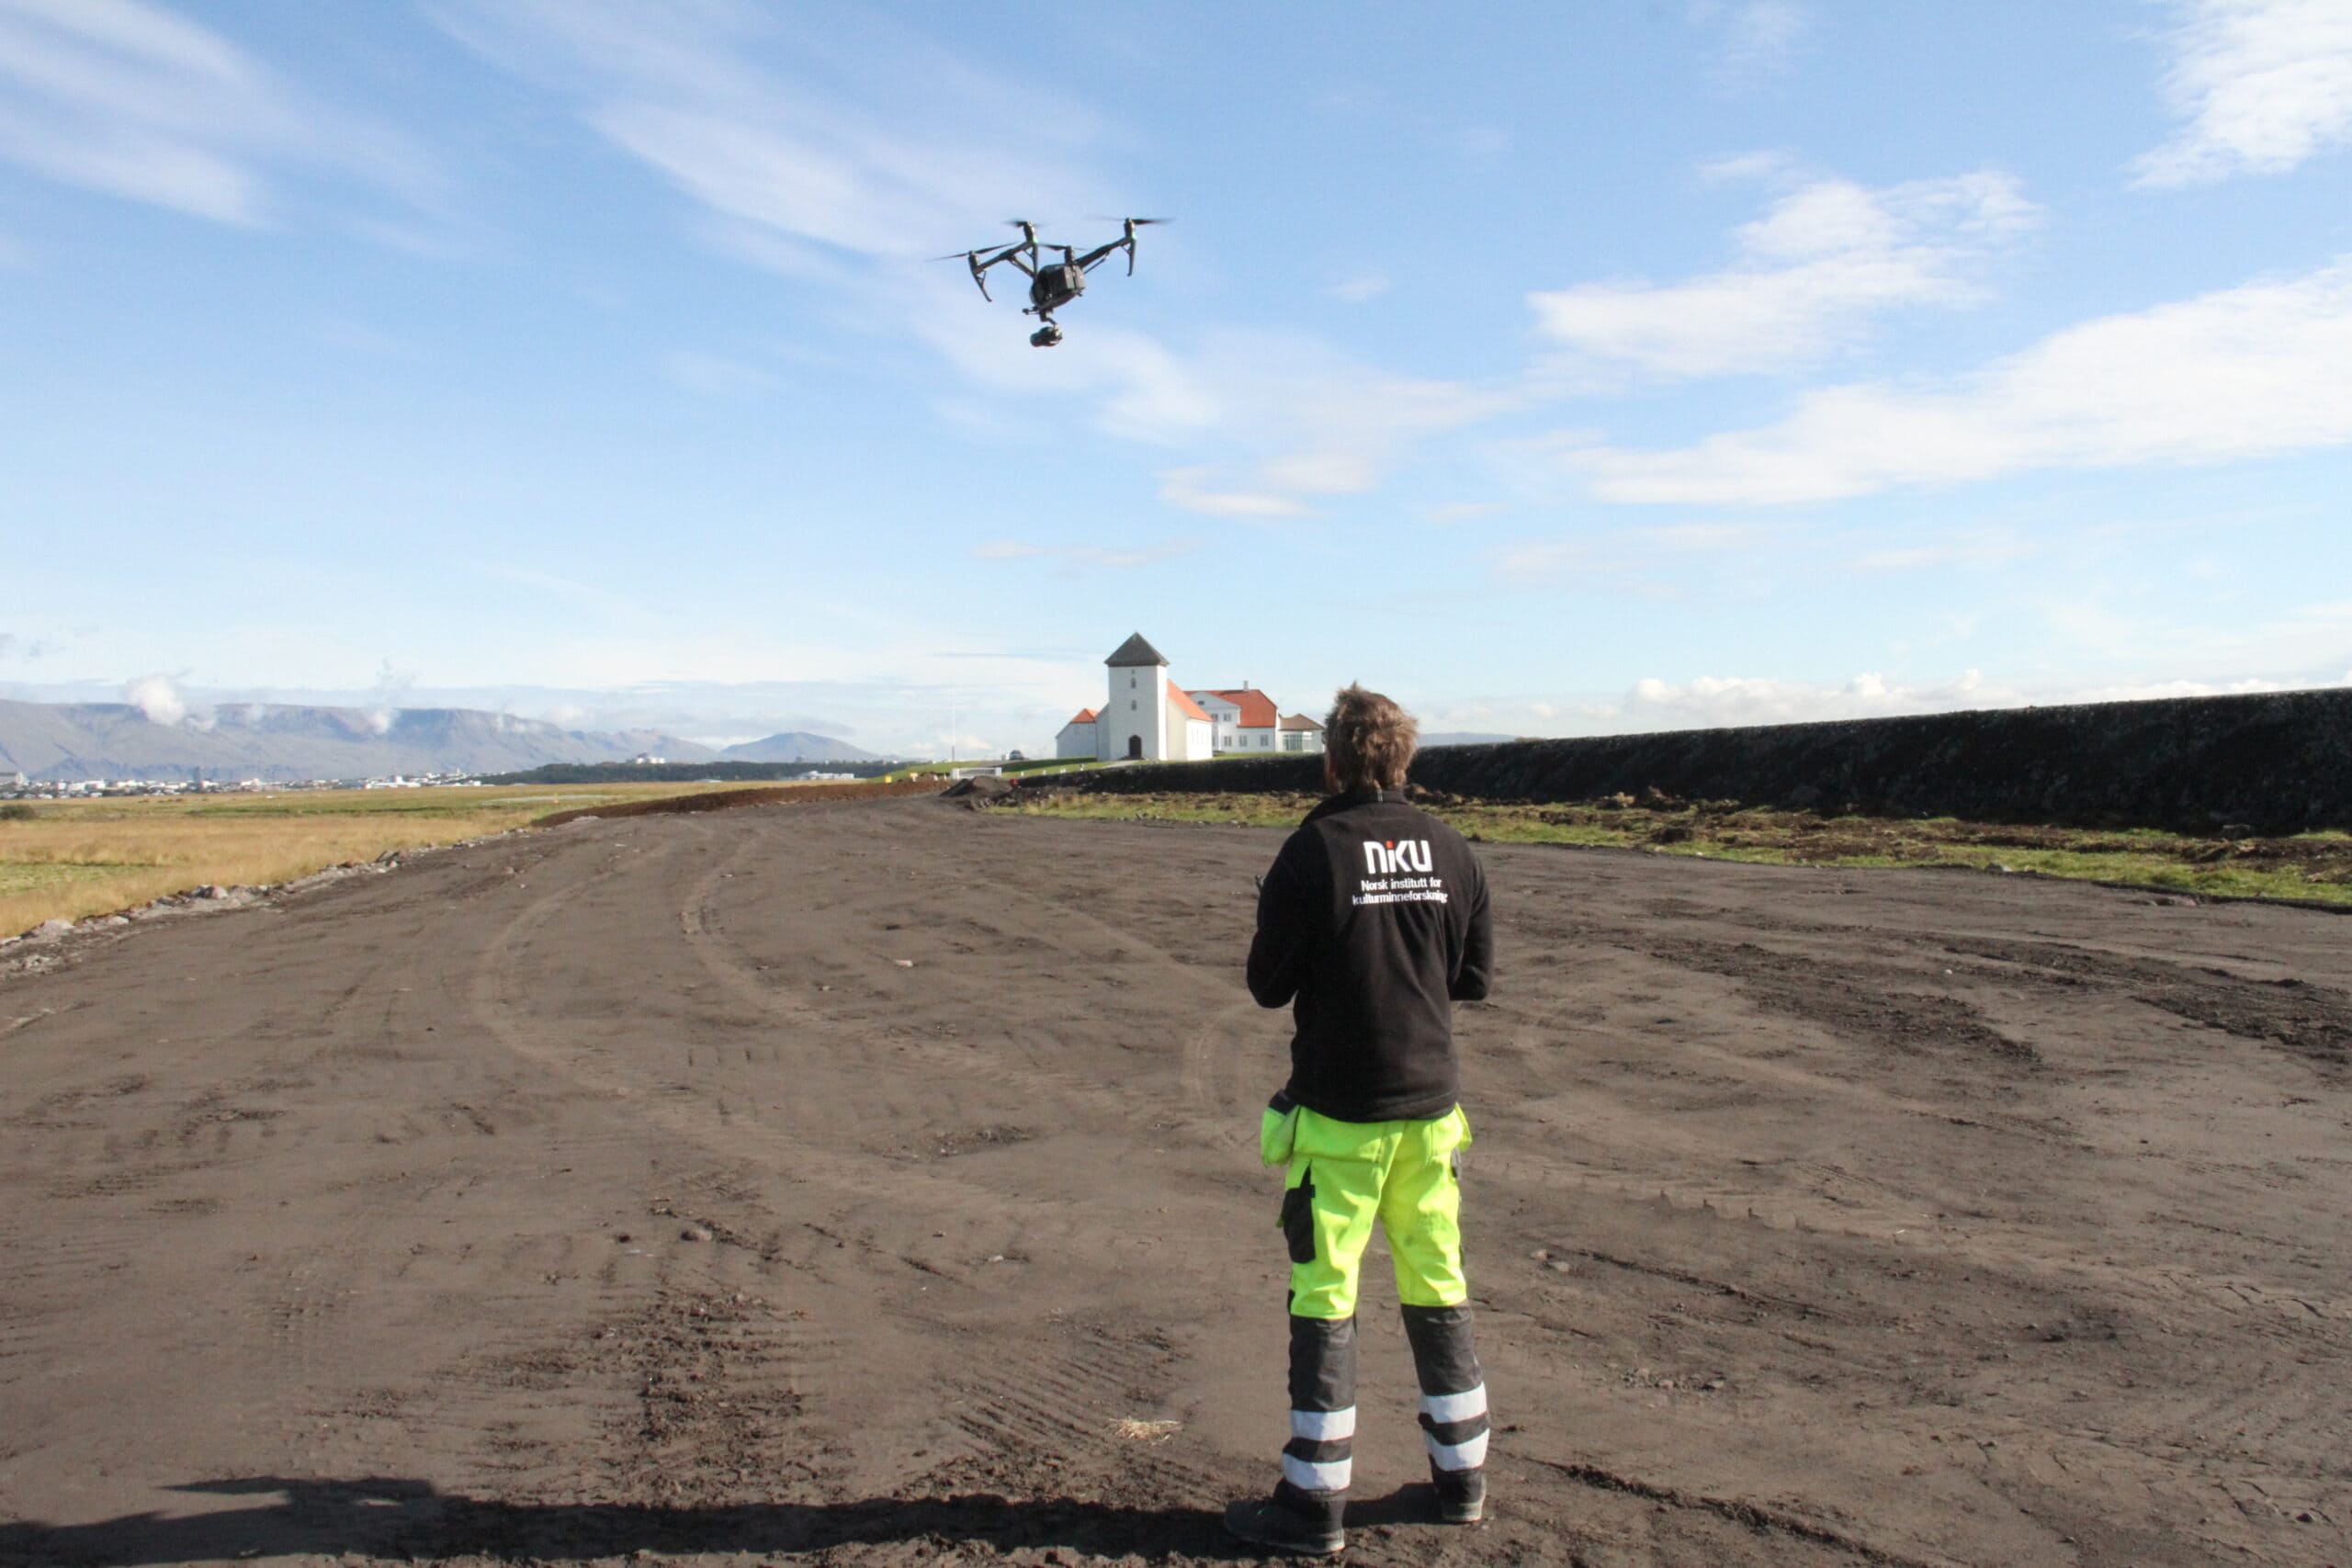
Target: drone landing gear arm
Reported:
point(1010, 253)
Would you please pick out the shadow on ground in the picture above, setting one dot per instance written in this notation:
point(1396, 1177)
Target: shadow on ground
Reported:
point(400, 1519)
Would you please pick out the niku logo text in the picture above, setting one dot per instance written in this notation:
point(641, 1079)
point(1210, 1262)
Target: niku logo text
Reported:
point(1383, 857)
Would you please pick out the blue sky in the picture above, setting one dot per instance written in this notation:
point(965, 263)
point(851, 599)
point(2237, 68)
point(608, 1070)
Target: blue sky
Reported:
point(1557, 368)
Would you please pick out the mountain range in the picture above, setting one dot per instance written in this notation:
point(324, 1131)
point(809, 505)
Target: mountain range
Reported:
point(286, 743)
point(798, 745)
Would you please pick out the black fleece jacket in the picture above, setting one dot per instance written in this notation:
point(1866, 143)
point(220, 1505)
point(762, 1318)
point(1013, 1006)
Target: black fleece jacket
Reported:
point(1374, 922)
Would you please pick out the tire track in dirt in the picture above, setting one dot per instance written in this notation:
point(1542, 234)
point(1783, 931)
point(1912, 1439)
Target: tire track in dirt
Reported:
point(845, 1180)
point(978, 1210)
point(2312, 1022)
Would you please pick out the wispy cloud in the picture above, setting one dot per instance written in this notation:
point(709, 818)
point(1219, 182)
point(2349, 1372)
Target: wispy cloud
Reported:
point(1361, 287)
point(1452, 511)
point(2264, 84)
point(1827, 260)
point(1709, 702)
point(2256, 371)
point(610, 608)
point(1138, 388)
point(157, 696)
point(844, 168)
point(770, 125)
point(124, 98)
point(2289, 645)
point(1195, 490)
point(1307, 424)
point(1075, 558)
point(1967, 548)
point(1752, 43)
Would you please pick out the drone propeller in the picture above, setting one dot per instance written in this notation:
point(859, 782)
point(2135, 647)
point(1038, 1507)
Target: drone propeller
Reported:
point(972, 259)
point(1127, 239)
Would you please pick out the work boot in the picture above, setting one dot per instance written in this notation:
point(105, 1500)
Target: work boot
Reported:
point(1271, 1521)
point(1461, 1495)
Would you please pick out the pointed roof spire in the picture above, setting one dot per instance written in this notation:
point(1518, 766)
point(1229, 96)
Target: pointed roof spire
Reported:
point(1135, 651)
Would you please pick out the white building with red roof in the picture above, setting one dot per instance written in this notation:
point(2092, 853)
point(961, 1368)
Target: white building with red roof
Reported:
point(1145, 716)
point(1248, 722)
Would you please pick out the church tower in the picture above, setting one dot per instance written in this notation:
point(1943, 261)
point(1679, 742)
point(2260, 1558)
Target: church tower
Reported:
point(1134, 721)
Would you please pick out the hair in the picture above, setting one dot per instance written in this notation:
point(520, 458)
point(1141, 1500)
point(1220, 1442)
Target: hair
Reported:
point(1368, 740)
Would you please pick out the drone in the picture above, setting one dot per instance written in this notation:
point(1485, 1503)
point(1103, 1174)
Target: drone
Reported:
point(1052, 285)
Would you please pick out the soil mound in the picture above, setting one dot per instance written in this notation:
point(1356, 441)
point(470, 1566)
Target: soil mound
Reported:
point(2274, 761)
point(978, 790)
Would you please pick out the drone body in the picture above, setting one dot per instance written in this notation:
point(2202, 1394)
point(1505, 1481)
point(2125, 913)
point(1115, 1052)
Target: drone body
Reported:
point(1052, 285)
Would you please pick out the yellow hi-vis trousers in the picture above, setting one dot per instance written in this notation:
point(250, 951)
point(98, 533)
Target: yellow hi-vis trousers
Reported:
point(1344, 1175)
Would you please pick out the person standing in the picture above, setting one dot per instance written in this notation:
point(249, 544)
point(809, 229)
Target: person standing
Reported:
point(1372, 923)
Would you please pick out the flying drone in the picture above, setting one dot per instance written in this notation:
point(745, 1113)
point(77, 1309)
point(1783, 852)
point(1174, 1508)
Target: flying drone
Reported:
point(1052, 285)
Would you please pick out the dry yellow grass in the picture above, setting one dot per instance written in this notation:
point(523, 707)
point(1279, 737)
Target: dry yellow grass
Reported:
point(77, 858)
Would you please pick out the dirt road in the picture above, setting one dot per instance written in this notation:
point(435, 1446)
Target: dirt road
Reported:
point(874, 1183)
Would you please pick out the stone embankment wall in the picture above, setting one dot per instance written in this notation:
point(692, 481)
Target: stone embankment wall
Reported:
point(2276, 761)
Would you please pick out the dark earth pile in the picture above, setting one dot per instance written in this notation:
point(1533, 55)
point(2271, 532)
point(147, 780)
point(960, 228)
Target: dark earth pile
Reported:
point(2276, 760)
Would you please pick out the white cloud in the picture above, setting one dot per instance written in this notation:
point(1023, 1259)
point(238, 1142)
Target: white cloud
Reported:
point(840, 171)
point(392, 687)
point(158, 697)
point(1989, 547)
point(1192, 489)
point(1452, 511)
point(1706, 701)
point(2264, 84)
point(2256, 371)
point(1359, 288)
point(1766, 165)
point(1312, 423)
point(1827, 258)
point(875, 153)
point(121, 96)
point(1752, 42)
point(1072, 558)
point(1138, 388)
point(1709, 702)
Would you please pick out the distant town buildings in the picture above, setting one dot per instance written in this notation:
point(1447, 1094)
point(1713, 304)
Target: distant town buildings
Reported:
point(88, 789)
point(1147, 718)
